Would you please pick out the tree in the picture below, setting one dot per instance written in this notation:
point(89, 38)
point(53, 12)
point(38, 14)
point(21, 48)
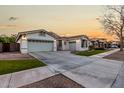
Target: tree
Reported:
point(7, 39)
point(12, 38)
point(113, 22)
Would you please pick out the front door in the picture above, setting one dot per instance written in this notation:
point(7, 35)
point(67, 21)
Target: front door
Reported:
point(59, 46)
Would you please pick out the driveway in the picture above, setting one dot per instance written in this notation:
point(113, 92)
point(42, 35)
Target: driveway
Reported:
point(63, 60)
point(87, 71)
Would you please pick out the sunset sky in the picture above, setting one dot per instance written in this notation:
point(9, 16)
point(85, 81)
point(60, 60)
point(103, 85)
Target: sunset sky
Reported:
point(63, 20)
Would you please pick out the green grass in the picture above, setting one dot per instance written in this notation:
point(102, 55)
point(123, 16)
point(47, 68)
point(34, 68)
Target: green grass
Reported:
point(89, 53)
point(9, 66)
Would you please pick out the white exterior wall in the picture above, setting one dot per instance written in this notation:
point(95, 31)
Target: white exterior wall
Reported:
point(36, 36)
point(65, 47)
point(78, 45)
point(23, 44)
point(39, 37)
point(55, 45)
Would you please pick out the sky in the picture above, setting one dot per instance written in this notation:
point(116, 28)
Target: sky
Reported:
point(65, 20)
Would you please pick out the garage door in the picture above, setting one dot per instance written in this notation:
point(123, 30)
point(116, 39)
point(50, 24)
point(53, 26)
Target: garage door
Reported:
point(39, 45)
point(72, 46)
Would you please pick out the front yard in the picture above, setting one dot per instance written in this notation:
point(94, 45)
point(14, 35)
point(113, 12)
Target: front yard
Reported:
point(9, 66)
point(89, 53)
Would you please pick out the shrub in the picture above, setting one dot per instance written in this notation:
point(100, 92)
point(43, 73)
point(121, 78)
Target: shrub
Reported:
point(91, 47)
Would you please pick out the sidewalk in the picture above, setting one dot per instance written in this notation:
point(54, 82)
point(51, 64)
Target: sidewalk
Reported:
point(25, 77)
point(101, 55)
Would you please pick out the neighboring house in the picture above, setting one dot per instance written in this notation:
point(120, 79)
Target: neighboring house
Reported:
point(99, 43)
point(74, 43)
point(42, 40)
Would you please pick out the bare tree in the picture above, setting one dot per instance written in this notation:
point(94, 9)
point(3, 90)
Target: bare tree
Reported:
point(113, 22)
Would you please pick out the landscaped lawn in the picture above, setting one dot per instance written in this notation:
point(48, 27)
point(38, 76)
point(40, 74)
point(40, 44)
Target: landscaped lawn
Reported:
point(9, 66)
point(89, 53)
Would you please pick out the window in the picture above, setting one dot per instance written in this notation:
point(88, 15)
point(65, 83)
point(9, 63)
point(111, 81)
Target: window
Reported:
point(82, 43)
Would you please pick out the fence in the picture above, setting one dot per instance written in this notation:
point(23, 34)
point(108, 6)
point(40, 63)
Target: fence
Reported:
point(9, 47)
point(1, 46)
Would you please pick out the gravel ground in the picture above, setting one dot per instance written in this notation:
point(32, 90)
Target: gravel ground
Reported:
point(116, 56)
point(57, 81)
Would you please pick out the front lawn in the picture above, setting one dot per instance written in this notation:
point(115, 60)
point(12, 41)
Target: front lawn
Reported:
point(9, 66)
point(89, 53)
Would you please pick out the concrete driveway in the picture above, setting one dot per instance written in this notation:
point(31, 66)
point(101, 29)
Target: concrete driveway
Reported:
point(87, 71)
point(62, 61)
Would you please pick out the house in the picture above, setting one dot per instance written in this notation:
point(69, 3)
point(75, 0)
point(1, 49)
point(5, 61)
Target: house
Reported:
point(74, 43)
point(99, 43)
point(36, 40)
point(42, 40)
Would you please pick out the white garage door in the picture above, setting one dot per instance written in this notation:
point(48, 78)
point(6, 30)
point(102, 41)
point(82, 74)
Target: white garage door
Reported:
point(39, 45)
point(72, 46)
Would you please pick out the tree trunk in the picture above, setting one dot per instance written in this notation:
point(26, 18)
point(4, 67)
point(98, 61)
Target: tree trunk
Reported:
point(121, 44)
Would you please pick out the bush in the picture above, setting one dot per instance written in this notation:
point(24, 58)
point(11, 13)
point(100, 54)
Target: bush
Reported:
point(91, 47)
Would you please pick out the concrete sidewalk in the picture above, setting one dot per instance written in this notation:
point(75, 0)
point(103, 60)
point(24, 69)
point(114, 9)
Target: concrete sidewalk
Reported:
point(25, 77)
point(101, 55)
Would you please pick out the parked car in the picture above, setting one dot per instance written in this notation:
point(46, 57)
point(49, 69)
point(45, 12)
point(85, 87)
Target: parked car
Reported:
point(114, 46)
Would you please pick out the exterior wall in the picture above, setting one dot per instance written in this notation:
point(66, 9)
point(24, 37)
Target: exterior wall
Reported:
point(65, 46)
point(23, 44)
point(55, 45)
point(78, 45)
point(39, 37)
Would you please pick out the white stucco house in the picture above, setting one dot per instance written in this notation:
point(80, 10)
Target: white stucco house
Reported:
point(42, 40)
point(73, 43)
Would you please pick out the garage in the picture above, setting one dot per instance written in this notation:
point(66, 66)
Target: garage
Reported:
point(40, 45)
point(72, 45)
